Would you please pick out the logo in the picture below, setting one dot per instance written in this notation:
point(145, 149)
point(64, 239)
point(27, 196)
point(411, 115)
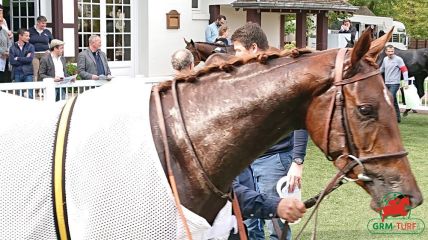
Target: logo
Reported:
point(395, 217)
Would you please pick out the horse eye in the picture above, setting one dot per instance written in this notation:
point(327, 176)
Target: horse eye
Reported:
point(365, 110)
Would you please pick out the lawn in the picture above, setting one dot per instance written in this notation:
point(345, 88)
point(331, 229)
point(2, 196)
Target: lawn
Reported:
point(346, 212)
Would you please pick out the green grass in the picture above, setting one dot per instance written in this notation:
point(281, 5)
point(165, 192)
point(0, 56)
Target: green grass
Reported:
point(345, 213)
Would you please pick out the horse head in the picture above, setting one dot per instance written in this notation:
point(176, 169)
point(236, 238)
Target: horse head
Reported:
point(191, 46)
point(358, 125)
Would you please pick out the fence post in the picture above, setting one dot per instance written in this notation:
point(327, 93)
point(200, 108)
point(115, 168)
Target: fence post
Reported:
point(49, 90)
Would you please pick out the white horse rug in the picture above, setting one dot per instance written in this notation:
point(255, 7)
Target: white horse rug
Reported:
point(115, 186)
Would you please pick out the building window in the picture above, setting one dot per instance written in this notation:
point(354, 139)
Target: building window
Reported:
point(23, 14)
point(195, 4)
point(111, 19)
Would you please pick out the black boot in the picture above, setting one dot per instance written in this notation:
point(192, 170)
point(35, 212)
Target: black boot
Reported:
point(405, 113)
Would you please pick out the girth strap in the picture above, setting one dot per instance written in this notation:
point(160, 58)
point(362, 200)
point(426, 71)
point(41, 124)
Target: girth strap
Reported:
point(58, 171)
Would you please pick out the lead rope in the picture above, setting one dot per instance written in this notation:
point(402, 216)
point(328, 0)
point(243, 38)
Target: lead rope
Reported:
point(336, 181)
point(239, 219)
point(168, 162)
point(332, 185)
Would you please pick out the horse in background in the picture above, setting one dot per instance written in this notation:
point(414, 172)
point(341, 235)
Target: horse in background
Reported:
point(349, 43)
point(202, 50)
point(416, 61)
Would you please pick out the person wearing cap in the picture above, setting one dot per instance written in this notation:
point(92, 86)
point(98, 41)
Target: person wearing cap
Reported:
point(92, 62)
point(40, 37)
point(53, 66)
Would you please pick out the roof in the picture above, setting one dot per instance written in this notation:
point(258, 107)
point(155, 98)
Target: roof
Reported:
point(364, 11)
point(314, 5)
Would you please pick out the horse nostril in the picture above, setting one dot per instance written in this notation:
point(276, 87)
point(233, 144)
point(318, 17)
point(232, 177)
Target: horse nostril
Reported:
point(416, 200)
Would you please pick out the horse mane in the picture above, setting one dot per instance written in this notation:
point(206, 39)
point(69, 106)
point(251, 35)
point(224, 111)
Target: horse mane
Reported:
point(231, 64)
point(213, 44)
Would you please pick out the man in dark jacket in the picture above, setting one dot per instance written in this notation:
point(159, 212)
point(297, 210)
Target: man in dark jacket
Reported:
point(21, 55)
point(284, 158)
point(40, 37)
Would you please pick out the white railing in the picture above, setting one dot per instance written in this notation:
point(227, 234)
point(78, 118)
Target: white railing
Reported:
point(48, 90)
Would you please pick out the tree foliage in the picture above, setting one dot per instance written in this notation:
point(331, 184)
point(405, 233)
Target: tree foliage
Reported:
point(413, 13)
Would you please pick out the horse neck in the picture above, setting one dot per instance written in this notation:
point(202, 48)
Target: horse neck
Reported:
point(233, 118)
point(205, 50)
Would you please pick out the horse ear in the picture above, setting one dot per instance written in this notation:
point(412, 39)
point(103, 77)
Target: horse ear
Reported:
point(191, 42)
point(378, 45)
point(361, 47)
point(187, 43)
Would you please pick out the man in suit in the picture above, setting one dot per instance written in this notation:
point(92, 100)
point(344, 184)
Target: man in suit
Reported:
point(53, 66)
point(92, 62)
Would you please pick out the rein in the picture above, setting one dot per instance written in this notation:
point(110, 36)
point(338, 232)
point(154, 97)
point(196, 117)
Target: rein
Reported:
point(190, 146)
point(168, 161)
point(338, 100)
point(195, 159)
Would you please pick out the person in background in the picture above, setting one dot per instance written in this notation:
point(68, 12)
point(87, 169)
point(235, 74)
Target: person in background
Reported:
point(53, 66)
point(392, 66)
point(5, 43)
point(211, 32)
point(348, 28)
point(92, 62)
point(3, 23)
point(21, 56)
point(182, 62)
point(284, 158)
point(223, 34)
point(40, 37)
point(252, 203)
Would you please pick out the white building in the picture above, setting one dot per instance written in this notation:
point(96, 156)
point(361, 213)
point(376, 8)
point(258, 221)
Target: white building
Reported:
point(134, 32)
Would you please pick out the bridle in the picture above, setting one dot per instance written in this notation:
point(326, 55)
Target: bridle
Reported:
point(192, 151)
point(349, 151)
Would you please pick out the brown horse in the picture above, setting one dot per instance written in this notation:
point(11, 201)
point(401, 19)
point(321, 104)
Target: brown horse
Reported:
point(202, 50)
point(233, 112)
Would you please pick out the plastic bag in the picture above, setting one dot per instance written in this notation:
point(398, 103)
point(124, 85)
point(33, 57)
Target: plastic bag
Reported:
point(412, 98)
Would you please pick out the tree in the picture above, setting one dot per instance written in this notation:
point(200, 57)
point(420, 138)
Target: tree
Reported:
point(413, 13)
point(410, 12)
point(382, 8)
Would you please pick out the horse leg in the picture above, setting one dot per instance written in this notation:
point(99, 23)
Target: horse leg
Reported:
point(419, 83)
